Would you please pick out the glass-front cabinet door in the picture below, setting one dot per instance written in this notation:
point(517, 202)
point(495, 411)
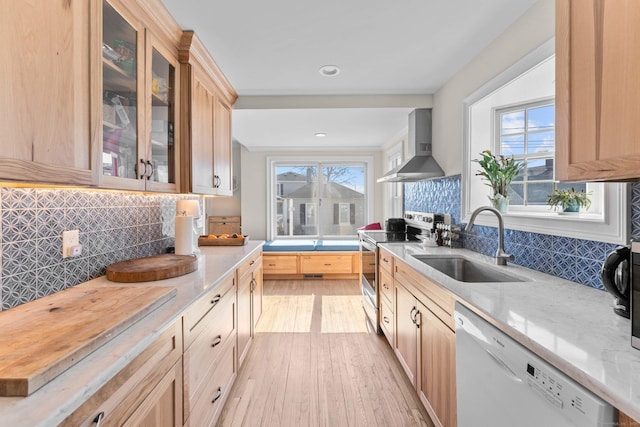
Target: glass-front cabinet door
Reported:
point(120, 101)
point(161, 152)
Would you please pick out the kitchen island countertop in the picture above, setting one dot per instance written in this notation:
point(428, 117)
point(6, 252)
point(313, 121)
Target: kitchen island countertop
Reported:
point(55, 401)
point(572, 326)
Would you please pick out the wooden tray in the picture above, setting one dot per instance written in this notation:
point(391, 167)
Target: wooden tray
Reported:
point(230, 241)
point(41, 339)
point(158, 267)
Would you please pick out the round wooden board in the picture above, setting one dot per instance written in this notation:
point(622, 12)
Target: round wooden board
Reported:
point(151, 268)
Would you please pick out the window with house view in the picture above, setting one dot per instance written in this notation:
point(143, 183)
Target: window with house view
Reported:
point(318, 199)
point(527, 132)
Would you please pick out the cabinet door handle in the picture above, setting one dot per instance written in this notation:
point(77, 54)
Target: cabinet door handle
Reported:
point(98, 419)
point(216, 299)
point(218, 395)
point(253, 284)
point(416, 318)
point(217, 341)
point(413, 319)
point(142, 170)
point(149, 174)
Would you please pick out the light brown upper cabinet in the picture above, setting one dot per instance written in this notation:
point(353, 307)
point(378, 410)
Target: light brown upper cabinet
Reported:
point(136, 145)
point(597, 90)
point(44, 92)
point(206, 130)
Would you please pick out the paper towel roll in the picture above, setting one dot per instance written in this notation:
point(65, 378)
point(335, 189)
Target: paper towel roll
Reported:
point(184, 235)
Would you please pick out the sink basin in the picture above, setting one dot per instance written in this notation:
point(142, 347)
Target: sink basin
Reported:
point(464, 270)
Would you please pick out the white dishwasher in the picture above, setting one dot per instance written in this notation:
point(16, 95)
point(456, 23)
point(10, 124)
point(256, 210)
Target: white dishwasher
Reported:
point(500, 383)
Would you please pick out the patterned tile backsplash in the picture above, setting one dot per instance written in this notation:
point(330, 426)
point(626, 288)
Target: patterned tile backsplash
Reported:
point(577, 260)
point(113, 227)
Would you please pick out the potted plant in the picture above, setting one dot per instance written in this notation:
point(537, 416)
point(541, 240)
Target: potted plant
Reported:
point(569, 200)
point(499, 171)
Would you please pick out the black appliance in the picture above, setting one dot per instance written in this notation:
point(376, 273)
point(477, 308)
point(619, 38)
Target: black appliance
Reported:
point(635, 294)
point(616, 279)
point(395, 225)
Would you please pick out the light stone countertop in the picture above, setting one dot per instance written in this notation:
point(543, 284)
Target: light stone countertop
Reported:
point(51, 404)
point(572, 326)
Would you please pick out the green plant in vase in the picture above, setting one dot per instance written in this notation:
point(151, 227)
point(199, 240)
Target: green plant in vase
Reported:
point(569, 200)
point(498, 171)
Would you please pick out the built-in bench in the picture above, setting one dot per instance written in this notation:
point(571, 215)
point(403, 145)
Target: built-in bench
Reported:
point(311, 259)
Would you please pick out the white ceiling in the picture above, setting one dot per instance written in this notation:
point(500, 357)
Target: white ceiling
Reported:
point(401, 47)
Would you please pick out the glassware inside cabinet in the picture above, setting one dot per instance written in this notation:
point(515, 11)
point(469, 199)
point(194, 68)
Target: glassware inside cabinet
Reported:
point(119, 103)
point(162, 119)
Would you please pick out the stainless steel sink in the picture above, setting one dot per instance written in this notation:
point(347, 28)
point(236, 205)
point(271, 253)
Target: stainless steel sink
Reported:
point(464, 270)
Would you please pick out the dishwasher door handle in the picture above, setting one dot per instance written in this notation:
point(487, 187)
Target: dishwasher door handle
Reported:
point(504, 366)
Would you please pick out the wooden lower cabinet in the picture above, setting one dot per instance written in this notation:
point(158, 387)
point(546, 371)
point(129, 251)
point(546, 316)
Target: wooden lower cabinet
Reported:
point(436, 384)
point(147, 392)
point(249, 303)
point(425, 347)
point(163, 406)
point(318, 264)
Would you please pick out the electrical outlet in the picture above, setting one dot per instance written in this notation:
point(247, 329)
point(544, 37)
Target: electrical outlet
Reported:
point(71, 243)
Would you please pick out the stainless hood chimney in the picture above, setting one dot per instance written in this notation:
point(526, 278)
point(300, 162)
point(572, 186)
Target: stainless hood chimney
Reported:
point(420, 164)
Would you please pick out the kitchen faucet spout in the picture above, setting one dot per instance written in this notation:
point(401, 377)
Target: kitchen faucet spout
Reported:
point(501, 256)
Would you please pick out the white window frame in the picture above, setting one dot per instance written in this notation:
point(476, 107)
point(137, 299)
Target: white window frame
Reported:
point(272, 161)
point(611, 225)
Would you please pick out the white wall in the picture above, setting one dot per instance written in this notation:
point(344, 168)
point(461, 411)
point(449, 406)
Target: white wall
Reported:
point(535, 27)
point(254, 186)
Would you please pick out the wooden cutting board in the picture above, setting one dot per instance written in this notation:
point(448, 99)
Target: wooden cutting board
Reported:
point(151, 268)
point(41, 339)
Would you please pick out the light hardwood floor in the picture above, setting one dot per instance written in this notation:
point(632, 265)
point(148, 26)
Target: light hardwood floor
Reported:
point(313, 363)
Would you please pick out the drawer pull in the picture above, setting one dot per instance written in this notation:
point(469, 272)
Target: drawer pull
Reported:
point(385, 260)
point(384, 285)
point(328, 264)
point(98, 419)
point(386, 319)
point(272, 265)
point(218, 395)
point(216, 299)
point(252, 262)
point(217, 341)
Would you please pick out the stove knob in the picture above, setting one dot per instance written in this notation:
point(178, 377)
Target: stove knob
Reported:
point(428, 219)
point(408, 216)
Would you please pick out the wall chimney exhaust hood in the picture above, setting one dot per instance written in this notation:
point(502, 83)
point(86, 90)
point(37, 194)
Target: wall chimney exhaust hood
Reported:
point(420, 165)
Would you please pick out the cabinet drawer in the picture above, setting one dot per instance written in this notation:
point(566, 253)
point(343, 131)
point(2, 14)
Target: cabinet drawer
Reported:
point(206, 306)
point(386, 320)
point(326, 264)
point(208, 403)
point(280, 264)
point(386, 286)
point(206, 348)
point(385, 261)
point(249, 265)
point(125, 392)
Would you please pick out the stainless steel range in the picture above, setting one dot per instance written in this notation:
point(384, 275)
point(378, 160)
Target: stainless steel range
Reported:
point(419, 226)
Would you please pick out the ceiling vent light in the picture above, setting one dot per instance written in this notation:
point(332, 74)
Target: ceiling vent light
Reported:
point(329, 70)
point(321, 134)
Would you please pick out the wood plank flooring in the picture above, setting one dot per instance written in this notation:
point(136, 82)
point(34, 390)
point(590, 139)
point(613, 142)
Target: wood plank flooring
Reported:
point(314, 363)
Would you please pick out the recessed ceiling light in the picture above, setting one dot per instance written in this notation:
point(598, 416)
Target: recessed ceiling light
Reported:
point(329, 70)
point(321, 134)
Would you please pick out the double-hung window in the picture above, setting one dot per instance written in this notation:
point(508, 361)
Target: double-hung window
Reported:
point(317, 199)
point(527, 132)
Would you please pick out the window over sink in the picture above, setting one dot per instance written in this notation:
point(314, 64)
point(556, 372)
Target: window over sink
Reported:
point(514, 114)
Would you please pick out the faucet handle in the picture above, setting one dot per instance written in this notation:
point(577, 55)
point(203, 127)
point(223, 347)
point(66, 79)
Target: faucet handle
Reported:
point(502, 257)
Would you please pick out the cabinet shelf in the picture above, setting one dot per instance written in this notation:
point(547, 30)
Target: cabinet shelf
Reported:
point(116, 79)
point(156, 101)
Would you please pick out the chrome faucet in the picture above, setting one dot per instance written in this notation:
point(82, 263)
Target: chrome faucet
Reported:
point(501, 256)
